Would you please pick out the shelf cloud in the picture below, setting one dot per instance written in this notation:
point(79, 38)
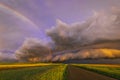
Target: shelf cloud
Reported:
point(102, 26)
point(97, 37)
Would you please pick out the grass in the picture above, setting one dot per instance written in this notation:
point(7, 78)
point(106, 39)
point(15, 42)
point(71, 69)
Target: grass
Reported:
point(22, 74)
point(58, 73)
point(41, 71)
point(108, 70)
point(38, 71)
point(22, 65)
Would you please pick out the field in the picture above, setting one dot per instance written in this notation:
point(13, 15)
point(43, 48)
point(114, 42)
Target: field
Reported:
point(32, 72)
point(42, 71)
point(108, 70)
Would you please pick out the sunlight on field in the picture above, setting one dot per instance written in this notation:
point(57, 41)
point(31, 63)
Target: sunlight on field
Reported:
point(6, 66)
point(45, 71)
point(57, 73)
point(38, 71)
point(104, 65)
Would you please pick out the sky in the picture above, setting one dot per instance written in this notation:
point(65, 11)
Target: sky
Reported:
point(22, 19)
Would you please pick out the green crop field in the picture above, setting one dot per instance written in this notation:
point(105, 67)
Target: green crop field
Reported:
point(32, 72)
point(57, 73)
point(49, 71)
point(108, 69)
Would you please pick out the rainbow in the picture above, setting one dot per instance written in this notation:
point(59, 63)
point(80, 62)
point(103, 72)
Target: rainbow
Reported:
point(17, 14)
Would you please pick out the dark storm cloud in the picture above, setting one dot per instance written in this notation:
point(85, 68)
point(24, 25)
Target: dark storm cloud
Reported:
point(97, 37)
point(33, 50)
point(102, 26)
point(18, 19)
point(88, 54)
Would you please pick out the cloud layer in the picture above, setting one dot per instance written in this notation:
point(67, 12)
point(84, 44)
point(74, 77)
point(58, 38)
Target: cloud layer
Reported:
point(33, 50)
point(102, 26)
point(7, 56)
point(91, 38)
point(88, 54)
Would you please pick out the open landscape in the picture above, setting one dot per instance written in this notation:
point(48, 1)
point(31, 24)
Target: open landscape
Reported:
point(32, 71)
point(41, 71)
point(59, 39)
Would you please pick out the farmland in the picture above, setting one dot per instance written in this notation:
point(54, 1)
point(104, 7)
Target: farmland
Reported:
point(50, 71)
point(108, 69)
point(32, 71)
